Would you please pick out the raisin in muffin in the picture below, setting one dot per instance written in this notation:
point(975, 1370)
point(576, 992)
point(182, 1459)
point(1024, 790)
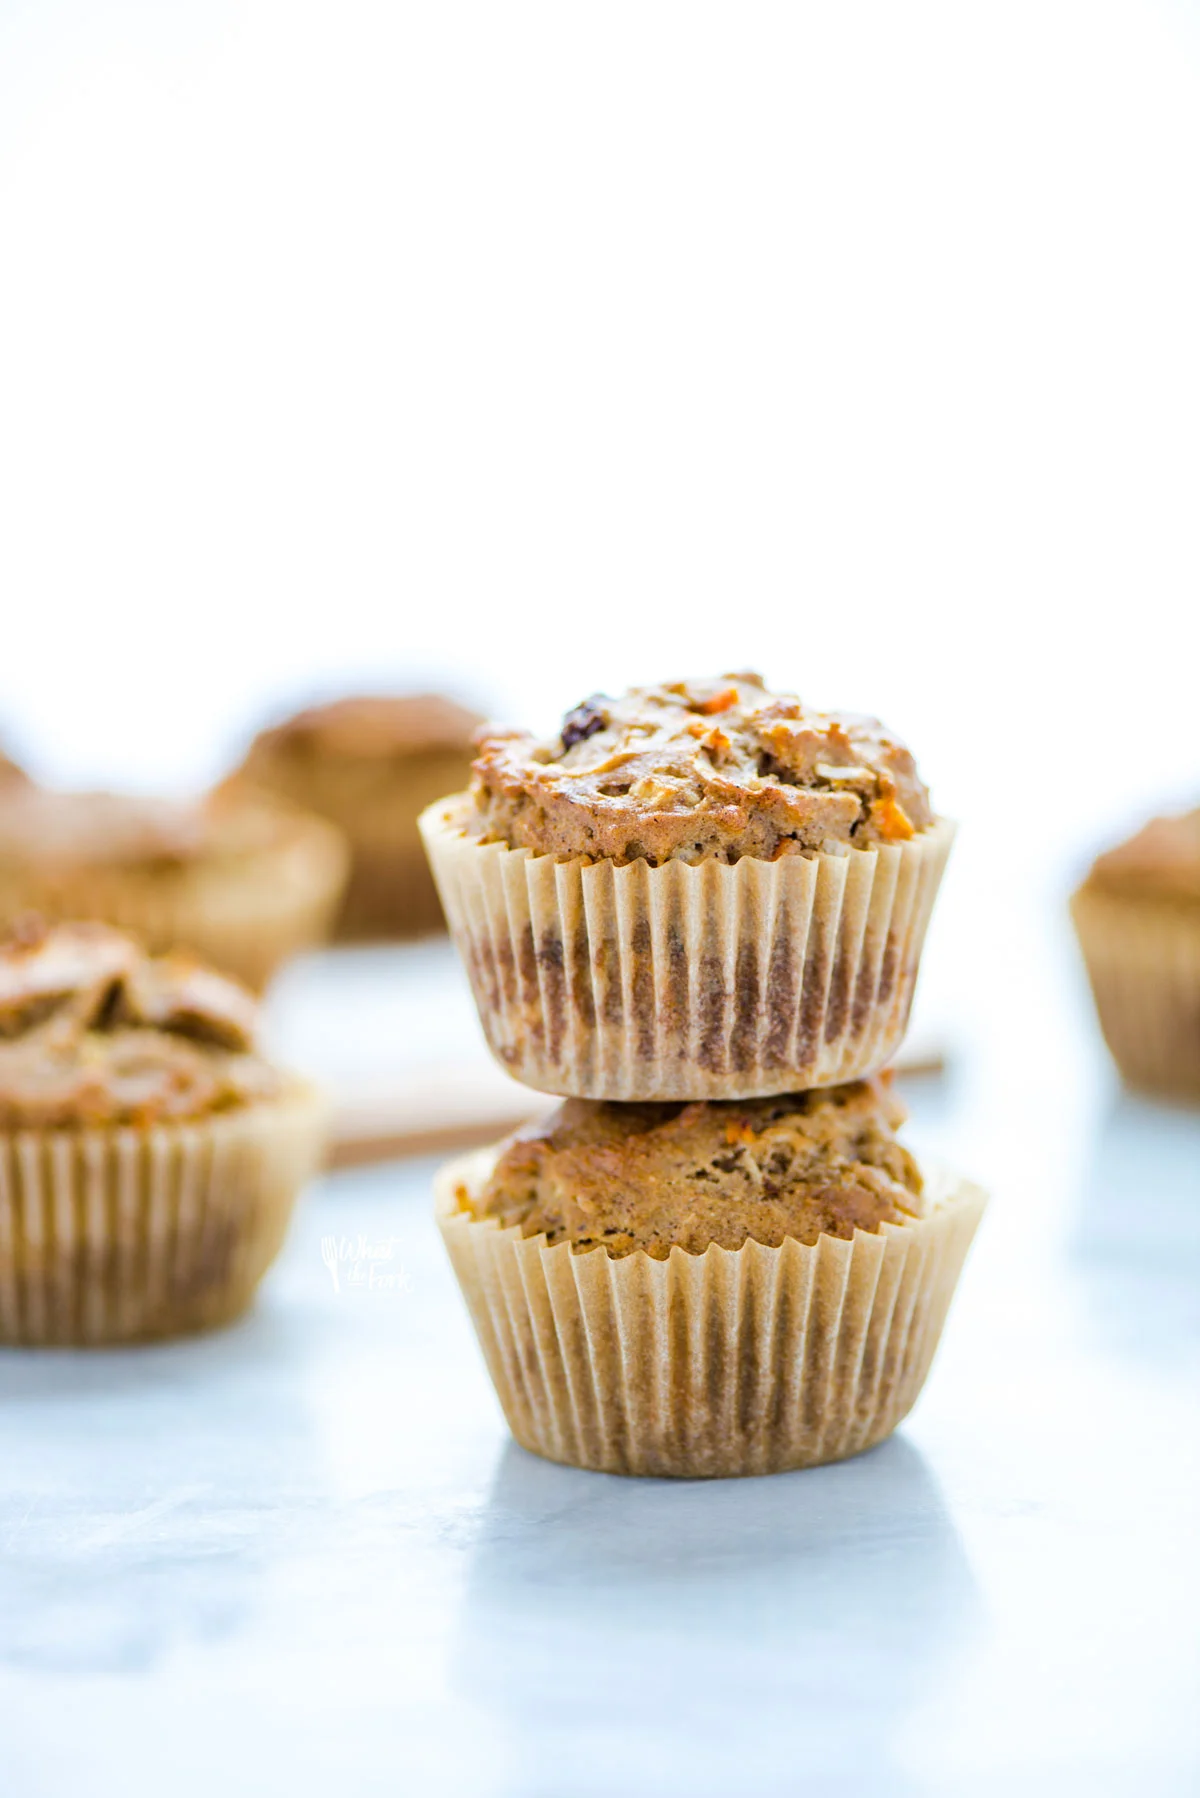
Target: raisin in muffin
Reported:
point(1137, 916)
point(696, 891)
point(244, 882)
point(371, 766)
point(710, 1288)
point(149, 1155)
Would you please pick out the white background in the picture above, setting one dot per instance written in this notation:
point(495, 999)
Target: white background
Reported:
point(541, 348)
point(536, 349)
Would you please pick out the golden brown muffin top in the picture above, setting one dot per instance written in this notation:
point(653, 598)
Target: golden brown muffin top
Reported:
point(697, 770)
point(94, 1031)
point(372, 727)
point(652, 1177)
point(61, 831)
point(1161, 862)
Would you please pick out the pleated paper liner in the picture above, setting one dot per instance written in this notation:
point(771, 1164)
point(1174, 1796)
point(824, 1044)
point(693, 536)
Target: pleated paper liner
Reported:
point(124, 1234)
point(748, 1361)
point(391, 896)
point(687, 982)
point(1143, 961)
point(245, 920)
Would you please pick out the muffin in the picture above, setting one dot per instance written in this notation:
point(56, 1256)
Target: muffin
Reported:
point(11, 774)
point(371, 766)
point(1137, 916)
point(149, 1157)
point(694, 891)
point(244, 882)
point(723, 1287)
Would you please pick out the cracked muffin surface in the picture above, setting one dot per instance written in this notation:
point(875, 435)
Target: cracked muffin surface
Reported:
point(658, 1176)
point(697, 770)
point(94, 1031)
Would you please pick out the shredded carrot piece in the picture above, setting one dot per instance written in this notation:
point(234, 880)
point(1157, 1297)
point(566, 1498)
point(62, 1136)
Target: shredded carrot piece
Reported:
point(720, 702)
point(894, 822)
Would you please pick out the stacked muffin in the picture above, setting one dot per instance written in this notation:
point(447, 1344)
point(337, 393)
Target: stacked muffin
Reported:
point(698, 913)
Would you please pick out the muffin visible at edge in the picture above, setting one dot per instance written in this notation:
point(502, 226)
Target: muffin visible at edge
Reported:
point(94, 1031)
point(149, 1154)
point(1137, 916)
point(696, 770)
point(371, 765)
point(659, 1176)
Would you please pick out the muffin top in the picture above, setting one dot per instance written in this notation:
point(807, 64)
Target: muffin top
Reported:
point(371, 728)
point(652, 1177)
point(697, 770)
point(1161, 862)
point(94, 1031)
point(63, 831)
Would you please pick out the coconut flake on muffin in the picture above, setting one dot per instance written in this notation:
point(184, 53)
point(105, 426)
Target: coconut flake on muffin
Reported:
point(697, 770)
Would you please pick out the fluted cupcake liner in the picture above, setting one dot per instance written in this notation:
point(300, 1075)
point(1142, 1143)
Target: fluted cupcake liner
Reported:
point(1143, 961)
point(120, 1234)
point(747, 1361)
point(391, 895)
point(711, 981)
point(246, 921)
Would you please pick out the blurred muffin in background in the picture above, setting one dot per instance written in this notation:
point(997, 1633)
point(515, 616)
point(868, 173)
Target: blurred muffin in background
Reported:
point(1138, 919)
point(149, 1155)
point(244, 882)
point(372, 765)
point(11, 774)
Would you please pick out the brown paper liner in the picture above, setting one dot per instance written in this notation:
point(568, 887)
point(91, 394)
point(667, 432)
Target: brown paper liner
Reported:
point(391, 896)
point(244, 920)
point(124, 1234)
point(687, 982)
point(1143, 961)
point(746, 1361)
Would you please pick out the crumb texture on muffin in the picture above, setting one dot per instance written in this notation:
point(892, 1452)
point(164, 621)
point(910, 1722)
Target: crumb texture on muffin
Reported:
point(93, 1031)
point(697, 770)
point(1162, 861)
point(653, 1176)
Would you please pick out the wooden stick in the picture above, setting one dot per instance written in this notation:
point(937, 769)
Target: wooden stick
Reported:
point(465, 1108)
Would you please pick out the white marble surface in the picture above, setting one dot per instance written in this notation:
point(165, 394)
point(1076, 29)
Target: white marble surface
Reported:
point(303, 1557)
